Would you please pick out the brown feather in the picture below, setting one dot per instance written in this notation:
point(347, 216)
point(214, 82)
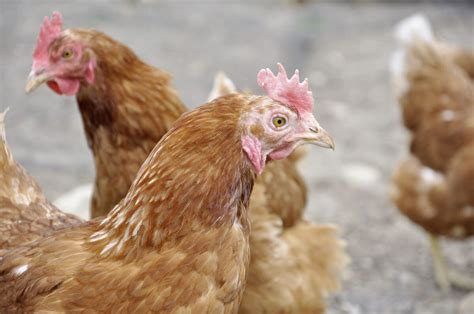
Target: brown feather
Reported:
point(433, 201)
point(177, 242)
point(127, 110)
point(130, 107)
point(292, 270)
point(438, 108)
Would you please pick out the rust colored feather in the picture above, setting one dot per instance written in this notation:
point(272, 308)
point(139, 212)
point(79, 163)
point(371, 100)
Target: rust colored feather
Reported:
point(438, 203)
point(177, 242)
point(294, 263)
point(438, 109)
point(131, 106)
point(127, 110)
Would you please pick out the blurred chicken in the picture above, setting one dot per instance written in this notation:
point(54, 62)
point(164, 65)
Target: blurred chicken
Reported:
point(435, 188)
point(25, 214)
point(121, 128)
point(177, 242)
point(124, 112)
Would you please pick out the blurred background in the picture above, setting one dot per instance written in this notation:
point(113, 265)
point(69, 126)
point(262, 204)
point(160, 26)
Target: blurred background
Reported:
point(343, 47)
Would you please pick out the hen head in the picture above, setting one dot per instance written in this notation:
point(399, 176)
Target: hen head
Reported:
point(60, 60)
point(275, 125)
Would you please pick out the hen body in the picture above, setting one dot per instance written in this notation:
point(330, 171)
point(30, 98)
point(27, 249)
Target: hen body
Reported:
point(438, 108)
point(169, 246)
point(294, 263)
point(124, 114)
point(129, 108)
point(435, 186)
point(127, 111)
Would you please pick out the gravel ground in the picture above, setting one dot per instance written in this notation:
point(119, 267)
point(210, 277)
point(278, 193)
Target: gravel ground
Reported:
point(342, 48)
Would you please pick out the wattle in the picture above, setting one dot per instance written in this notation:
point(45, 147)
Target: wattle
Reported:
point(55, 87)
point(64, 86)
point(282, 152)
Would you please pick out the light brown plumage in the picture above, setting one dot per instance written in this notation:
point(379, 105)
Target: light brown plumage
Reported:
point(294, 263)
point(177, 242)
point(292, 270)
point(464, 59)
point(285, 191)
point(25, 213)
point(435, 201)
point(125, 113)
point(435, 186)
point(438, 108)
point(129, 108)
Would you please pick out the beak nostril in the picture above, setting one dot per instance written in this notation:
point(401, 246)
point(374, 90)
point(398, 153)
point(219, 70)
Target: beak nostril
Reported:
point(315, 130)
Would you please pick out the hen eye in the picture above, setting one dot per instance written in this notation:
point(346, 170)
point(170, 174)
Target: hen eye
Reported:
point(279, 121)
point(67, 54)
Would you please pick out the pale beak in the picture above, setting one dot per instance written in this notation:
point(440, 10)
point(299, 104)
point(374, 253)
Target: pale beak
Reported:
point(35, 79)
point(318, 136)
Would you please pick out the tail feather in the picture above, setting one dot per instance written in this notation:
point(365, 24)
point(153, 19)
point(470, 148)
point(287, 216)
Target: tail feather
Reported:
point(6, 157)
point(413, 29)
point(296, 267)
point(319, 248)
point(223, 85)
point(2, 122)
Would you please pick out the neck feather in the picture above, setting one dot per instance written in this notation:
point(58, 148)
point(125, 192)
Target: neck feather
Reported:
point(196, 178)
point(128, 96)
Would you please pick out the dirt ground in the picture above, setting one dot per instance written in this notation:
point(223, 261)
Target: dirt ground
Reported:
point(343, 49)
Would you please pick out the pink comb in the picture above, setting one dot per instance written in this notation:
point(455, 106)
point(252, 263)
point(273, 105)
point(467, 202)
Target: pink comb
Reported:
point(50, 30)
point(288, 91)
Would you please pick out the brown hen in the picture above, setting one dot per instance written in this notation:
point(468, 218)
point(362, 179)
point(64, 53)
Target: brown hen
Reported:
point(177, 242)
point(129, 106)
point(435, 187)
point(294, 263)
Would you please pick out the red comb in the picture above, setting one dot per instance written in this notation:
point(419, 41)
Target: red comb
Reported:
point(288, 91)
point(50, 30)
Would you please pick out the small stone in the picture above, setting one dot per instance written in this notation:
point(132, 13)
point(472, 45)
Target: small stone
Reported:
point(466, 306)
point(361, 175)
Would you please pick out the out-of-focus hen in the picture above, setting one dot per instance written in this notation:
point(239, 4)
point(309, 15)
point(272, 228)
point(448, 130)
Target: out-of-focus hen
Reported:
point(177, 242)
point(435, 188)
point(25, 213)
point(126, 105)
